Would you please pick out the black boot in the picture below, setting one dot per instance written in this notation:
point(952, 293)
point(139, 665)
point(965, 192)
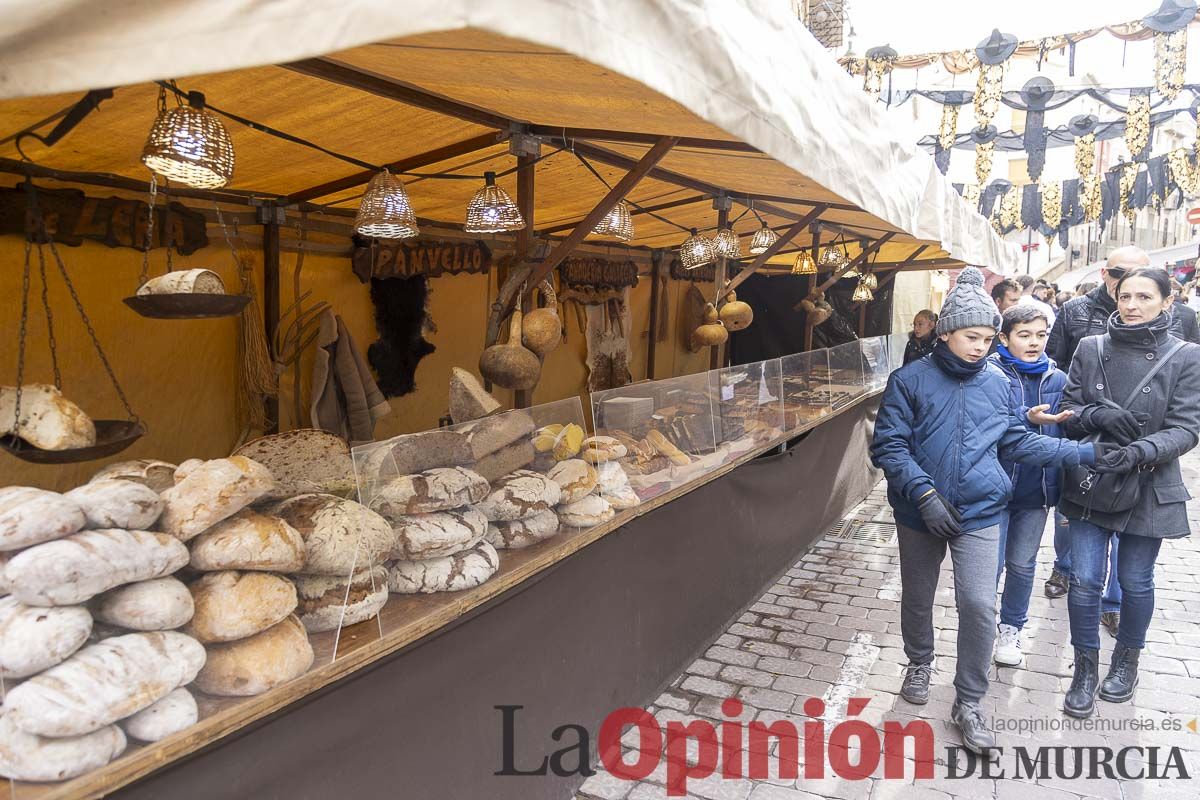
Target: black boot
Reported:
point(1122, 675)
point(1081, 697)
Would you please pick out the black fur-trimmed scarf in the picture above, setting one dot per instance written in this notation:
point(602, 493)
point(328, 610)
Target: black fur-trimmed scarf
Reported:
point(401, 320)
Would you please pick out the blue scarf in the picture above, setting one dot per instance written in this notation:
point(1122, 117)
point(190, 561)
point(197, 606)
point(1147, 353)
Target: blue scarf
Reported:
point(954, 366)
point(1038, 367)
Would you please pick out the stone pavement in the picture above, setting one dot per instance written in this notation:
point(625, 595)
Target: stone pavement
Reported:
point(830, 628)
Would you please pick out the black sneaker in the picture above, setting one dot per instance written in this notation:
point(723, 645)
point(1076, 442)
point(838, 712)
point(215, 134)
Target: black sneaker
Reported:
point(1057, 584)
point(1111, 620)
point(915, 688)
point(976, 735)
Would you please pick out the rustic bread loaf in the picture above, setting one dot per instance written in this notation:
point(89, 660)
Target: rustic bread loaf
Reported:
point(5, 557)
point(161, 604)
point(505, 460)
point(523, 532)
point(575, 477)
point(31, 516)
point(159, 720)
point(622, 498)
point(71, 570)
point(255, 665)
point(184, 281)
point(103, 683)
point(413, 453)
point(48, 420)
point(591, 510)
point(33, 639)
point(489, 434)
point(40, 759)
point(468, 399)
point(598, 449)
point(438, 489)
point(158, 475)
point(185, 468)
point(327, 602)
point(305, 460)
point(462, 570)
point(249, 540)
point(518, 495)
point(211, 492)
point(438, 534)
point(340, 536)
point(114, 503)
point(233, 605)
point(611, 476)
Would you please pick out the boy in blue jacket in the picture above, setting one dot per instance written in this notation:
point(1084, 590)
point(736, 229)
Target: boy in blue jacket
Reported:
point(943, 423)
point(1037, 387)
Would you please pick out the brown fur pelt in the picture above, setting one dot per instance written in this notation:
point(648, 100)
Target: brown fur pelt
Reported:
point(402, 319)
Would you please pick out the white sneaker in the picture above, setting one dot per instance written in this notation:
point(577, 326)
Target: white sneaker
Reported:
point(1008, 646)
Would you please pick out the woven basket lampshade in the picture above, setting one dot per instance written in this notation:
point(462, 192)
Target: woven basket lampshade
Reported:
point(189, 144)
point(697, 250)
point(617, 223)
point(862, 293)
point(763, 238)
point(871, 281)
point(728, 243)
point(385, 211)
point(833, 259)
point(804, 264)
point(491, 210)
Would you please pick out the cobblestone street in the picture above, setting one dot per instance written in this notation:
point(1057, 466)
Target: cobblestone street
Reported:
point(830, 628)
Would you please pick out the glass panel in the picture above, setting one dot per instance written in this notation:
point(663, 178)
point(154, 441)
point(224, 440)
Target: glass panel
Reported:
point(749, 405)
point(897, 343)
point(875, 362)
point(846, 368)
point(805, 387)
point(667, 429)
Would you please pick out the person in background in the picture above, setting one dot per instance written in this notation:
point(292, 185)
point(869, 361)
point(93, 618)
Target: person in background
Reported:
point(1037, 388)
point(1006, 293)
point(1085, 287)
point(1061, 299)
point(1139, 386)
point(921, 339)
point(1028, 296)
point(1177, 290)
point(943, 424)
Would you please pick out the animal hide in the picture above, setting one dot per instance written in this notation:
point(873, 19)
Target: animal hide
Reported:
point(608, 344)
point(402, 320)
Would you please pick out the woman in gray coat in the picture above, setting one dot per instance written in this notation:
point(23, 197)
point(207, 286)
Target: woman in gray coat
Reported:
point(1155, 428)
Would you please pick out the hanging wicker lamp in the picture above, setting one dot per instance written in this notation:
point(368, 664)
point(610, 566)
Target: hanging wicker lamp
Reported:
point(491, 210)
point(697, 250)
point(804, 264)
point(870, 281)
point(728, 243)
point(763, 238)
point(832, 259)
point(862, 292)
point(617, 223)
point(385, 211)
point(189, 144)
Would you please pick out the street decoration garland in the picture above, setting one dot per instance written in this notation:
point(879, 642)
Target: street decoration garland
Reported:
point(1129, 173)
point(949, 126)
point(1137, 126)
point(1170, 62)
point(1051, 192)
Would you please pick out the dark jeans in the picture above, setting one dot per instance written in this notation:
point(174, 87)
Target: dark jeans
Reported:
point(1020, 538)
point(1111, 600)
point(1135, 573)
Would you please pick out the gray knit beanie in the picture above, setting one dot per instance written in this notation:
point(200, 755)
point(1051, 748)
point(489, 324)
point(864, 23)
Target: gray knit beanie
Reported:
point(968, 305)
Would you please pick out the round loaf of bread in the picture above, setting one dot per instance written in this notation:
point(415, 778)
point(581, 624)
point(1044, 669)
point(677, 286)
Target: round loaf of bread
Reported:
point(33, 639)
point(591, 510)
point(249, 540)
point(438, 534)
point(157, 475)
point(48, 421)
point(161, 604)
point(340, 536)
point(31, 516)
point(622, 498)
point(233, 605)
point(40, 759)
point(303, 460)
point(523, 532)
point(169, 715)
point(211, 492)
point(114, 503)
point(463, 570)
point(611, 476)
point(439, 489)
point(518, 495)
point(327, 602)
point(575, 477)
point(257, 664)
point(598, 449)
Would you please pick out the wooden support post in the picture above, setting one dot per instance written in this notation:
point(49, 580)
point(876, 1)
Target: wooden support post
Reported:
point(722, 205)
point(816, 239)
point(862, 319)
point(656, 264)
point(270, 216)
point(524, 246)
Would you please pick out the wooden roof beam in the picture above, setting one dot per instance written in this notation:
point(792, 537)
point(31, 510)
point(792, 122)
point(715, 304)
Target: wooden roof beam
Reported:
point(626, 137)
point(633, 212)
point(856, 261)
point(765, 256)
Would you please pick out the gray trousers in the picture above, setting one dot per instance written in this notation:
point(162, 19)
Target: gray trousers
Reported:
point(975, 557)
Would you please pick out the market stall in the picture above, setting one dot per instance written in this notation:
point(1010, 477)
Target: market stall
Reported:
point(598, 159)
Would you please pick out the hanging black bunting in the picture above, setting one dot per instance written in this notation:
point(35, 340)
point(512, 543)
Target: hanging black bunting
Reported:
point(1034, 97)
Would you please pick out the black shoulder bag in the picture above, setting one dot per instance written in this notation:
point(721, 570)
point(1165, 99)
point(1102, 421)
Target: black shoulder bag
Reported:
point(1110, 493)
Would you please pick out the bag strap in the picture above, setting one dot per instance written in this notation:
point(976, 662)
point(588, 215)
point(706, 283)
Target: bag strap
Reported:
point(1162, 362)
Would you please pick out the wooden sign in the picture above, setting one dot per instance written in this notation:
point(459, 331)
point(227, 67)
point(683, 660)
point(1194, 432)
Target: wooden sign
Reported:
point(599, 272)
point(378, 258)
point(705, 274)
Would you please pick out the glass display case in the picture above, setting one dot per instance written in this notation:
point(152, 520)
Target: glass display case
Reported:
point(749, 405)
point(845, 374)
point(876, 361)
point(897, 342)
point(806, 396)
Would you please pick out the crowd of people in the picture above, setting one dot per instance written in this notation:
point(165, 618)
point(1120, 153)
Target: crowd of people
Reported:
point(1019, 405)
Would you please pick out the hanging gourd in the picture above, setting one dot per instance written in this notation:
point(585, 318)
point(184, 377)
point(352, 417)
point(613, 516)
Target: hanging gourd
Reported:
point(541, 330)
point(711, 333)
point(511, 365)
point(736, 314)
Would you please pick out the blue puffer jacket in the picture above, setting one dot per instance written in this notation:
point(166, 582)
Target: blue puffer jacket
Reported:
point(1034, 487)
point(935, 431)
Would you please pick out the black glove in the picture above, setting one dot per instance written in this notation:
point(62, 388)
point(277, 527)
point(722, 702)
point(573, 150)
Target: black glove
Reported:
point(1116, 459)
point(1118, 423)
point(941, 518)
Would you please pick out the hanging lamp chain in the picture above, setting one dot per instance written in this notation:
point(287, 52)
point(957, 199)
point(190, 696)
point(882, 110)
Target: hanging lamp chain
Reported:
point(145, 276)
point(49, 317)
point(167, 230)
point(21, 333)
